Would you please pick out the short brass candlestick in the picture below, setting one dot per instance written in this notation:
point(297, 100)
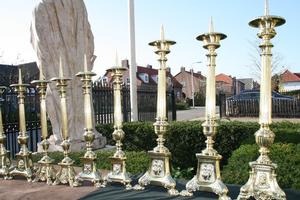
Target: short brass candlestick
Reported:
point(89, 171)
point(262, 183)
point(5, 163)
point(66, 173)
point(159, 169)
point(45, 170)
point(208, 177)
point(24, 162)
point(118, 160)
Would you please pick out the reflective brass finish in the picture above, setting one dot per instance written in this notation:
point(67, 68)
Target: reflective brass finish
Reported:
point(208, 177)
point(24, 162)
point(159, 170)
point(45, 170)
point(66, 173)
point(89, 171)
point(118, 160)
point(262, 183)
point(5, 163)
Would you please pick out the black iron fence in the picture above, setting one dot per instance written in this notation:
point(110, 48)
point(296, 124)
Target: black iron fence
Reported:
point(103, 107)
point(281, 108)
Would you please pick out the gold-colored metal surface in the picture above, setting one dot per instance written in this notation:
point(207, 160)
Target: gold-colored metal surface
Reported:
point(66, 173)
point(5, 162)
point(24, 162)
point(45, 170)
point(118, 160)
point(159, 170)
point(208, 177)
point(262, 182)
point(89, 171)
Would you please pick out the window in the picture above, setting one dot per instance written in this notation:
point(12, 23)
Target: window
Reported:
point(146, 78)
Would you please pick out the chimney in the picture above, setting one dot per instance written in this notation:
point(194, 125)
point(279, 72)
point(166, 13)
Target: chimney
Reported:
point(168, 69)
point(182, 69)
point(149, 66)
point(125, 63)
point(199, 72)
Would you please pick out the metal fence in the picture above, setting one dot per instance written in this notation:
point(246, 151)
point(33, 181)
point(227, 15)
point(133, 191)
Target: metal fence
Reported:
point(103, 110)
point(281, 108)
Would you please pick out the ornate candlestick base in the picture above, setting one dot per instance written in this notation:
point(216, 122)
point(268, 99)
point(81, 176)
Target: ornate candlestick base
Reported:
point(159, 170)
point(262, 182)
point(66, 173)
point(45, 170)
point(5, 163)
point(208, 177)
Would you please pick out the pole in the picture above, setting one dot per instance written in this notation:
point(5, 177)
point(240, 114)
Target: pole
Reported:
point(132, 68)
point(193, 89)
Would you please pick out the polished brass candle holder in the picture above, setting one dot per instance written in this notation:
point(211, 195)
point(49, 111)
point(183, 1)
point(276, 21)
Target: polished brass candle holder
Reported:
point(262, 183)
point(89, 171)
point(5, 162)
point(66, 173)
point(45, 170)
point(24, 161)
point(118, 160)
point(159, 170)
point(208, 177)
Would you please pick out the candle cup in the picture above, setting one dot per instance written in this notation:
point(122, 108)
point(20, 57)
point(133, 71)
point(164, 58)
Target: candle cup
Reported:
point(262, 178)
point(208, 177)
point(159, 169)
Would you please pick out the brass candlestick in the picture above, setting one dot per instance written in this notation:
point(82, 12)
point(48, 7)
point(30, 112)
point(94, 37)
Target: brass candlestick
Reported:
point(5, 163)
point(24, 162)
point(262, 183)
point(159, 169)
point(208, 177)
point(45, 170)
point(66, 173)
point(89, 171)
point(118, 160)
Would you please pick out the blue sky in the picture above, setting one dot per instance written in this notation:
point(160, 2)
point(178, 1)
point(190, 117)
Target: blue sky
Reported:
point(183, 21)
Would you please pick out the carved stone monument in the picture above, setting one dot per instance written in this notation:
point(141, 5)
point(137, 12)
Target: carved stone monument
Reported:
point(60, 28)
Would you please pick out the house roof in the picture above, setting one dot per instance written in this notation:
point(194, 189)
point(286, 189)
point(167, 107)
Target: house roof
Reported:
point(288, 76)
point(196, 74)
point(224, 78)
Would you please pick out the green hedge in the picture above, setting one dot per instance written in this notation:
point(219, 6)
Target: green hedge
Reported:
point(182, 106)
point(286, 156)
point(184, 139)
point(136, 163)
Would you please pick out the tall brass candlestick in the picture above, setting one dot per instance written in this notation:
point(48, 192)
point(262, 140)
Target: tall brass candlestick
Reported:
point(5, 163)
point(89, 171)
point(208, 177)
point(66, 173)
point(24, 161)
point(45, 170)
point(118, 160)
point(159, 169)
point(262, 183)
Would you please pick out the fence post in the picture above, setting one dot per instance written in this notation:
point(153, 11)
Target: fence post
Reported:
point(174, 116)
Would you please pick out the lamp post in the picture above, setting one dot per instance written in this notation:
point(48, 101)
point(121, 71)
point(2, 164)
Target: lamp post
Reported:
point(262, 182)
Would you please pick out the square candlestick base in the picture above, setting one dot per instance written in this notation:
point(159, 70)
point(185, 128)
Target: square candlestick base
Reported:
point(89, 173)
point(24, 166)
point(118, 173)
point(158, 173)
point(45, 171)
point(5, 165)
point(262, 183)
point(66, 173)
point(208, 177)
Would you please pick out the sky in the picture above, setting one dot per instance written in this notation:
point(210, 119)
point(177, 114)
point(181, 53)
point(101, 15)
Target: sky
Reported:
point(183, 21)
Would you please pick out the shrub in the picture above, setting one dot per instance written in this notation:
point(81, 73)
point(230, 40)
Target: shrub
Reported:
point(286, 156)
point(185, 139)
point(182, 106)
point(137, 162)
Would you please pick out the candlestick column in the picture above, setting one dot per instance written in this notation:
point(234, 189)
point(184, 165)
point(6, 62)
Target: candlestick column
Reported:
point(159, 170)
point(24, 162)
point(89, 171)
point(66, 173)
point(118, 160)
point(5, 162)
point(262, 182)
point(208, 177)
point(45, 170)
